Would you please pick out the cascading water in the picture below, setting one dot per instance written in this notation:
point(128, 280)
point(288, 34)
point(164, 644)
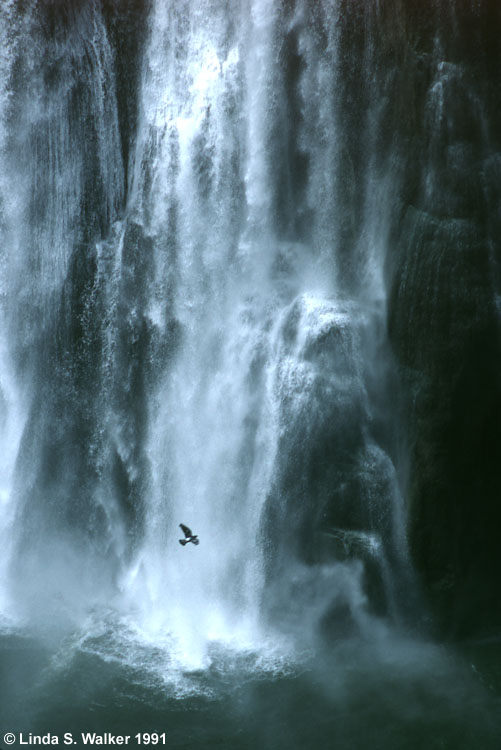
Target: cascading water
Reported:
point(251, 302)
point(193, 330)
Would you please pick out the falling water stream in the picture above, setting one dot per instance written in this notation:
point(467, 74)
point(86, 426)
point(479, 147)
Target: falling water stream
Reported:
point(192, 330)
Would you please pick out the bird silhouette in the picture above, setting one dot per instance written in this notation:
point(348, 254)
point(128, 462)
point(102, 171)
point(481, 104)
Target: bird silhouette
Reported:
point(190, 537)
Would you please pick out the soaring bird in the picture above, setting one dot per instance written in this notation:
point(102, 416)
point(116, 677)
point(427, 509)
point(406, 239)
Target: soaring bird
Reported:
point(189, 536)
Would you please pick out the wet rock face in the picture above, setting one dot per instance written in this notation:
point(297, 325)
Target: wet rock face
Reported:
point(443, 275)
point(420, 111)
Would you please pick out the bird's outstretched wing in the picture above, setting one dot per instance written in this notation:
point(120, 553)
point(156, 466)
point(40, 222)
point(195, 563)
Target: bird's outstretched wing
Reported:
point(186, 530)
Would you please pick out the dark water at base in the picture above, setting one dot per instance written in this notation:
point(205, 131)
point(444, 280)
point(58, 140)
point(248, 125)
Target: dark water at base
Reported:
point(404, 695)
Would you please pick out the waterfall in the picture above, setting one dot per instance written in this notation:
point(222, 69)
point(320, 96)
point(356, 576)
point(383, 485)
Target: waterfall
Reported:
point(198, 325)
point(12, 413)
point(266, 330)
point(249, 283)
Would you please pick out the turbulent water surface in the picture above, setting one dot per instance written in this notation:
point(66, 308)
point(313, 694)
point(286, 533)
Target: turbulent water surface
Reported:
point(198, 206)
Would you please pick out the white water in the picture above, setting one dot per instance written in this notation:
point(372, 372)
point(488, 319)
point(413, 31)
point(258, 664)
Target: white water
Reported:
point(12, 413)
point(269, 338)
point(249, 303)
point(207, 345)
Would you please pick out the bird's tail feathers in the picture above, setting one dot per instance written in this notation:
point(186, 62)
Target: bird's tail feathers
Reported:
point(183, 542)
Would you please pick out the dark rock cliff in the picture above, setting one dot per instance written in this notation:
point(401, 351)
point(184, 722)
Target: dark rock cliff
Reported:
point(443, 283)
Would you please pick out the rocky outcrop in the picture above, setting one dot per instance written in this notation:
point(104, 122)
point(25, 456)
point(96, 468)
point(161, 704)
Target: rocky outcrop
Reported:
point(443, 280)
